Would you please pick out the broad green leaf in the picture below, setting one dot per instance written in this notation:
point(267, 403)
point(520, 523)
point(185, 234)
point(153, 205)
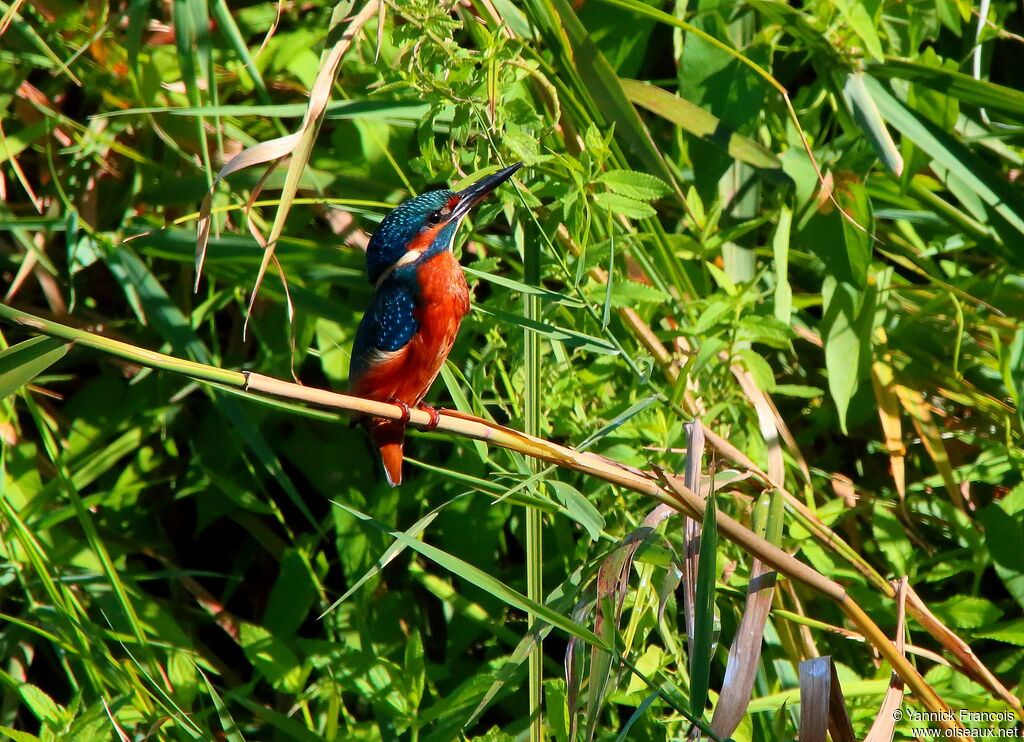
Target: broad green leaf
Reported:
point(1011, 632)
point(758, 367)
point(780, 251)
point(641, 186)
point(16, 736)
point(1004, 537)
point(21, 363)
point(271, 657)
point(967, 611)
point(628, 293)
point(862, 24)
point(700, 123)
point(844, 343)
point(865, 112)
point(579, 507)
point(50, 714)
point(769, 331)
point(618, 204)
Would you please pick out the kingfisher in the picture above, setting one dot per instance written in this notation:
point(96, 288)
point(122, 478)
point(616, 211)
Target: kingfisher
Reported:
point(419, 299)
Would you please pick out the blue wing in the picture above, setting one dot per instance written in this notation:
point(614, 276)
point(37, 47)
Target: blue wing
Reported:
point(388, 325)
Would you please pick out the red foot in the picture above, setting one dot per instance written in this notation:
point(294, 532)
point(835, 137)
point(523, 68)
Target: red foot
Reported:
point(435, 416)
point(405, 409)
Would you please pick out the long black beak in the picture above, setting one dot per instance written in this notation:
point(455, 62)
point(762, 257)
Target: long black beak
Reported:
point(470, 197)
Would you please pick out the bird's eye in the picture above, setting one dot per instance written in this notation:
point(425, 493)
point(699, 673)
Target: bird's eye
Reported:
point(434, 217)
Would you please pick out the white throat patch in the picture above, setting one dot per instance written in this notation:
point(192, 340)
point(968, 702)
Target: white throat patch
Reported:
point(410, 257)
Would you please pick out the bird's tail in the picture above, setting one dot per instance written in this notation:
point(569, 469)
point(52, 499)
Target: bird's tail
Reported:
point(389, 437)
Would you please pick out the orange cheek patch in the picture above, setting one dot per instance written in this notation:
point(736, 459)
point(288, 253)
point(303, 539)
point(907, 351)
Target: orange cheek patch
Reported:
point(424, 239)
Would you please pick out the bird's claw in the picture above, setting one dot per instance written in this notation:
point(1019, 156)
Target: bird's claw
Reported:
point(435, 416)
point(405, 410)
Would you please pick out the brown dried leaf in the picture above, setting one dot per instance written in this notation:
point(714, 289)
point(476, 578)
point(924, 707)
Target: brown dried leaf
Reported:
point(822, 706)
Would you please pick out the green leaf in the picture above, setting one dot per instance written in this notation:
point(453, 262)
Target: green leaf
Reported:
point(766, 330)
point(292, 597)
point(866, 114)
point(21, 363)
point(758, 367)
point(511, 283)
point(862, 24)
point(1004, 537)
point(571, 338)
point(636, 185)
point(50, 714)
point(415, 669)
point(1011, 632)
point(843, 342)
point(618, 204)
point(271, 657)
point(967, 611)
point(963, 87)
point(780, 251)
point(704, 611)
point(486, 582)
point(798, 390)
point(700, 123)
point(579, 507)
point(16, 736)
point(627, 293)
point(948, 151)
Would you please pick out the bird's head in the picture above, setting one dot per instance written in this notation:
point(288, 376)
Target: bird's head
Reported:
point(424, 226)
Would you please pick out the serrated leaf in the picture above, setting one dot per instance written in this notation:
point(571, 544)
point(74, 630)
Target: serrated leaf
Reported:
point(1011, 632)
point(798, 390)
point(619, 204)
point(759, 368)
point(967, 611)
point(16, 736)
point(44, 708)
point(765, 330)
point(641, 186)
point(626, 293)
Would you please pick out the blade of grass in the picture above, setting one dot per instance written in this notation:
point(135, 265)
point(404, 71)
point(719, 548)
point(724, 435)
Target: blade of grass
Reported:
point(956, 84)
point(673, 492)
point(704, 611)
point(699, 123)
point(488, 583)
point(21, 363)
point(948, 151)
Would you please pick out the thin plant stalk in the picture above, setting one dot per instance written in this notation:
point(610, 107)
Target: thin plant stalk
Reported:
point(671, 491)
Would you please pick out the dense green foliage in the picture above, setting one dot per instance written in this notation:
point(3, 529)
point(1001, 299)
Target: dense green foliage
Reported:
point(173, 552)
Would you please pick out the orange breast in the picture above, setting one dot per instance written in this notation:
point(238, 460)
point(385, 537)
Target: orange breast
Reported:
point(407, 374)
